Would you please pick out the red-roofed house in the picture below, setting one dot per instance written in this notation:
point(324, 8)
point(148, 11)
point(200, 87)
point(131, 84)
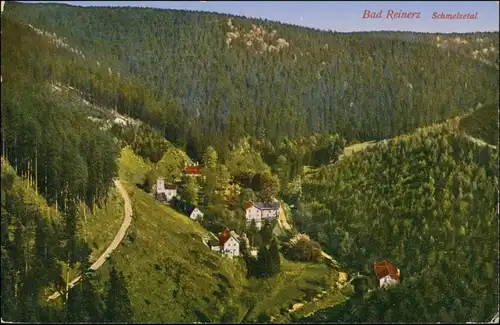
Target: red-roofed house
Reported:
point(192, 170)
point(229, 243)
point(248, 204)
point(386, 273)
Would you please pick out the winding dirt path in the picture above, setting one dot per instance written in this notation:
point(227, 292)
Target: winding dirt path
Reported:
point(116, 241)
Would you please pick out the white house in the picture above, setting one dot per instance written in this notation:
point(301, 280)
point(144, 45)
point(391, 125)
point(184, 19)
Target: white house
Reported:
point(260, 211)
point(229, 243)
point(164, 191)
point(386, 281)
point(386, 273)
point(196, 214)
point(231, 247)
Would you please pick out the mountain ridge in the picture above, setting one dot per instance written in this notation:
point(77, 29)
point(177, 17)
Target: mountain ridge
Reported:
point(228, 96)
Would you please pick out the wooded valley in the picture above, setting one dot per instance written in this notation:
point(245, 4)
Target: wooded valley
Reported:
point(271, 111)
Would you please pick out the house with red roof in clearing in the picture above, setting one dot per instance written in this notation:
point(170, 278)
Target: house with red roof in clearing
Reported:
point(228, 243)
point(387, 274)
point(192, 170)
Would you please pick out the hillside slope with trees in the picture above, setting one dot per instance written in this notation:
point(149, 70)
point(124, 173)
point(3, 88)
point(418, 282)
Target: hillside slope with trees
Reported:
point(230, 76)
point(426, 202)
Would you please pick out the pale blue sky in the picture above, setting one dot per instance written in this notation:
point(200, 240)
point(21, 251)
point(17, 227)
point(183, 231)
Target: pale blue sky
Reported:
point(339, 16)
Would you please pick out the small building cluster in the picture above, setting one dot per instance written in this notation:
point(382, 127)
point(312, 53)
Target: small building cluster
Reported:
point(260, 212)
point(165, 192)
point(227, 242)
point(387, 274)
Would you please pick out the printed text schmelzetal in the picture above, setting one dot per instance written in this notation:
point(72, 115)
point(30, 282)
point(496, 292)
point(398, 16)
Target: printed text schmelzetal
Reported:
point(395, 14)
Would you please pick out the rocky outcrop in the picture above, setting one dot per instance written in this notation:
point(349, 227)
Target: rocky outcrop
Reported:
point(257, 36)
point(478, 48)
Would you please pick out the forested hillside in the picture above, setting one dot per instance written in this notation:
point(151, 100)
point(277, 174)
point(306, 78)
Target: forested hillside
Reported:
point(234, 76)
point(427, 202)
point(54, 160)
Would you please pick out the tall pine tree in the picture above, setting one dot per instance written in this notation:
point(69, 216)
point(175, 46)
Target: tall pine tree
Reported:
point(118, 307)
point(274, 258)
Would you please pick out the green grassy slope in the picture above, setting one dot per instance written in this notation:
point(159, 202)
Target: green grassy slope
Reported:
point(100, 226)
point(172, 276)
point(299, 283)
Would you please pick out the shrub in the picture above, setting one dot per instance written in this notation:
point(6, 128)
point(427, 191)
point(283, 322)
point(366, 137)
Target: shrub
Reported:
point(302, 248)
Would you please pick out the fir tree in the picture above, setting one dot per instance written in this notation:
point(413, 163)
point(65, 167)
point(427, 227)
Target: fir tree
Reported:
point(118, 307)
point(266, 233)
point(274, 258)
point(263, 260)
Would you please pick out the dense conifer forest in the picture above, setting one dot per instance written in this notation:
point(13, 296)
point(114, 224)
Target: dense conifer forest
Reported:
point(54, 160)
point(229, 77)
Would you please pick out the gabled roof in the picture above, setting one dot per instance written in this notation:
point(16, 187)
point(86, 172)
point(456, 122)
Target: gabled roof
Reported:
point(169, 186)
point(225, 235)
point(248, 204)
point(235, 236)
point(261, 205)
point(385, 268)
point(192, 170)
point(267, 206)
